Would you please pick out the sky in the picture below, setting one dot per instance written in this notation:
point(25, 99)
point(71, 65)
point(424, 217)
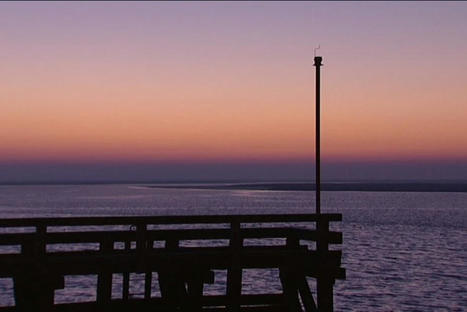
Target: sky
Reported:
point(224, 90)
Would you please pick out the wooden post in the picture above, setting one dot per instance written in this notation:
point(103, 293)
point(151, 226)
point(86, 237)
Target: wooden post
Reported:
point(104, 278)
point(234, 273)
point(45, 279)
point(194, 289)
point(142, 245)
point(126, 277)
point(25, 295)
point(148, 277)
point(34, 288)
point(325, 293)
point(324, 282)
point(288, 276)
point(169, 281)
point(147, 285)
point(40, 245)
point(141, 238)
point(289, 287)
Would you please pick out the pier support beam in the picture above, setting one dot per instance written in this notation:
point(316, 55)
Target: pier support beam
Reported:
point(325, 294)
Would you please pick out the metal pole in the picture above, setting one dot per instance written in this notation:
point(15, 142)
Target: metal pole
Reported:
point(318, 64)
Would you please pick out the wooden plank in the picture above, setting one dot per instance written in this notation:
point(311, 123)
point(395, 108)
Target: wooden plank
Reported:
point(222, 219)
point(193, 234)
point(16, 238)
point(313, 235)
point(217, 258)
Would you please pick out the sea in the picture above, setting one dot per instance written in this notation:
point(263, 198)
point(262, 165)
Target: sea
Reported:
point(403, 251)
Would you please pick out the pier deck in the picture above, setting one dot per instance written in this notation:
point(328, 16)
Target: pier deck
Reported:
point(183, 251)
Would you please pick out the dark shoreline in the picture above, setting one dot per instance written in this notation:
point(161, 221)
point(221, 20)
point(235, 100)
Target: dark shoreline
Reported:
point(330, 187)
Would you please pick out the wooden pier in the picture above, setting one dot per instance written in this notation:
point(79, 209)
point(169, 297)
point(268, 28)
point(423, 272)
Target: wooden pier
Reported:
point(178, 250)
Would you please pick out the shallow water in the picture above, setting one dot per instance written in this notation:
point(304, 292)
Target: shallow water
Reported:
point(402, 251)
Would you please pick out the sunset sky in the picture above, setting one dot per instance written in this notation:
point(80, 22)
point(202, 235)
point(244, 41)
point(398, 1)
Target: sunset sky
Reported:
point(222, 90)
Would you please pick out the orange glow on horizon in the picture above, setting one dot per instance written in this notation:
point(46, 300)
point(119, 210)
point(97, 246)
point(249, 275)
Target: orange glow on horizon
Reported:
point(139, 93)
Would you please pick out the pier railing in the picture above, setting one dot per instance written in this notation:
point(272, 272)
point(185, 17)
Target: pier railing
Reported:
point(182, 250)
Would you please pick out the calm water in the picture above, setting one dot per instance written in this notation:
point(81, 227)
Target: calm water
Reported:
point(402, 251)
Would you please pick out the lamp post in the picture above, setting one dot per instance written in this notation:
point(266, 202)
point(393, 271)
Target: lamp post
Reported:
point(317, 64)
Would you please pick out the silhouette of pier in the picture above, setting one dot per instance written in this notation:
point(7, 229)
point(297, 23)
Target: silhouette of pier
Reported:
point(181, 252)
